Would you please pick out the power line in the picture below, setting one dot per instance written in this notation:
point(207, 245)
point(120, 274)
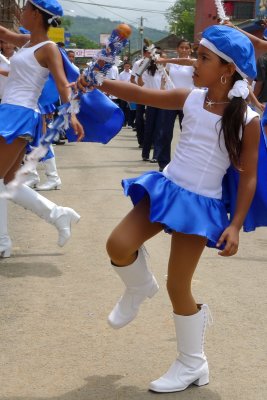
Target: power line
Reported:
point(117, 7)
point(111, 12)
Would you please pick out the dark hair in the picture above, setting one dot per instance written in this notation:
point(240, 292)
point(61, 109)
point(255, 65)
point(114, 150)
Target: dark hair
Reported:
point(70, 52)
point(56, 22)
point(60, 44)
point(232, 125)
point(180, 41)
point(151, 70)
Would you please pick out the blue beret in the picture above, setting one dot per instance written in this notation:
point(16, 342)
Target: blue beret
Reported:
point(51, 7)
point(233, 46)
point(24, 31)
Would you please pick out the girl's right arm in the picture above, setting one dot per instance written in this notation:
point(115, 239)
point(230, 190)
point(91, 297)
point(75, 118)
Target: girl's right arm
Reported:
point(11, 37)
point(164, 99)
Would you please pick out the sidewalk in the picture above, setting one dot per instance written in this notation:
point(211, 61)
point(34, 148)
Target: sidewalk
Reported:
point(55, 343)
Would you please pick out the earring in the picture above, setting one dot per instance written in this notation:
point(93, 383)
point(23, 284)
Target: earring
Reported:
point(223, 80)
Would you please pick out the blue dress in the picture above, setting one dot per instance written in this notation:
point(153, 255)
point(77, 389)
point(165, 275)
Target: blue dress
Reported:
point(185, 211)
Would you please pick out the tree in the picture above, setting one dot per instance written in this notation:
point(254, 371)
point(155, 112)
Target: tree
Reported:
point(66, 23)
point(181, 18)
point(83, 42)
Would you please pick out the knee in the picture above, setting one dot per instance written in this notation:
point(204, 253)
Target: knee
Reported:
point(117, 250)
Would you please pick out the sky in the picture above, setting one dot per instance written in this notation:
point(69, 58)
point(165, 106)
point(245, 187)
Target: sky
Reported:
point(152, 11)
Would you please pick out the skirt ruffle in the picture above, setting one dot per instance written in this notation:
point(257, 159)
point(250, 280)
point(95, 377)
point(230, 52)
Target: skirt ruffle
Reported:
point(17, 121)
point(177, 208)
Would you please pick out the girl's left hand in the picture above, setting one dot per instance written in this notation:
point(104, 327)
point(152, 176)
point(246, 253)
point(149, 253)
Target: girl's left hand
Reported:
point(261, 106)
point(78, 128)
point(231, 237)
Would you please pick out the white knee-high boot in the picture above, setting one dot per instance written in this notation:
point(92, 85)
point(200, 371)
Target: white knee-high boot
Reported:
point(191, 366)
point(53, 180)
point(5, 242)
point(140, 284)
point(61, 217)
point(32, 178)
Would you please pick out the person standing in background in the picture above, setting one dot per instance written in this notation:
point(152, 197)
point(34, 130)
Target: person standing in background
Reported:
point(113, 74)
point(181, 77)
point(140, 108)
point(71, 57)
point(129, 114)
point(7, 51)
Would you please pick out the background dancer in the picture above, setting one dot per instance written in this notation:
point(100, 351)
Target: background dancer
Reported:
point(20, 123)
point(181, 77)
point(186, 199)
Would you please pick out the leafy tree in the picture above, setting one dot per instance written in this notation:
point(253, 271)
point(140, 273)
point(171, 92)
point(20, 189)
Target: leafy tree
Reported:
point(66, 23)
point(83, 42)
point(181, 18)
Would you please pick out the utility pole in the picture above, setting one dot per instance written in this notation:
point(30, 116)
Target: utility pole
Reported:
point(141, 30)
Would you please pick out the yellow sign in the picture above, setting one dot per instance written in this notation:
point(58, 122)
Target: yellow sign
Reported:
point(56, 34)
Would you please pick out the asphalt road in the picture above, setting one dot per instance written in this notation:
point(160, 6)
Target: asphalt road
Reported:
point(55, 343)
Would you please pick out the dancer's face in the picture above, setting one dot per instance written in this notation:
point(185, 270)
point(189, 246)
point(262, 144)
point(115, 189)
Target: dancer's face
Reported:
point(8, 49)
point(184, 50)
point(30, 16)
point(208, 68)
point(27, 15)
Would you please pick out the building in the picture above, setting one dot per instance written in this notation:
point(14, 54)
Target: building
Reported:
point(244, 13)
point(10, 11)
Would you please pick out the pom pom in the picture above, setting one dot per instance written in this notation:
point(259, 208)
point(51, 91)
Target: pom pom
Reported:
point(124, 30)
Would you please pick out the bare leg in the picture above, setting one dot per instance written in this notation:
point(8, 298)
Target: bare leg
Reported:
point(11, 156)
point(190, 322)
point(185, 253)
point(131, 233)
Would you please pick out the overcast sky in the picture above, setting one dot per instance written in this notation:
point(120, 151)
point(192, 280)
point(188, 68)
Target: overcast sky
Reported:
point(152, 18)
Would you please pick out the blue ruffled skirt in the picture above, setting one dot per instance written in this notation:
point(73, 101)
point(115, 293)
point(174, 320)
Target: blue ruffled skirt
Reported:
point(17, 121)
point(177, 208)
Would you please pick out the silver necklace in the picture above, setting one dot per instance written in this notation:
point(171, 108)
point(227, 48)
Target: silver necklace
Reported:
point(211, 103)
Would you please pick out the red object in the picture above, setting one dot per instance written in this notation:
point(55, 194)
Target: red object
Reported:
point(229, 8)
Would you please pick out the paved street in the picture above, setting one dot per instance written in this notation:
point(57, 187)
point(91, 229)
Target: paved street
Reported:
point(55, 343)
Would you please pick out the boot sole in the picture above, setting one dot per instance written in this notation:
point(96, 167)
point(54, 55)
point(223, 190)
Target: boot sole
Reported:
point(152, 293)
point(74, 219)
point(203, 381)
point(5, 253)
point(39, 189)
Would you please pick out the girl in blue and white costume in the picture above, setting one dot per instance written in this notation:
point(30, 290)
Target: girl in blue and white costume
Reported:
point(186, 199)
point(20, 123)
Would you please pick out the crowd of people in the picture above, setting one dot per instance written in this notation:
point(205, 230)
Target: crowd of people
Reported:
point(185, 198)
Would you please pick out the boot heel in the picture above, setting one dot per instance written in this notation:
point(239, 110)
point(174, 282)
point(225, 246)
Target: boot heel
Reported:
point(204, 380)
point(154, 289)
point(5, 253)
point(75, 218)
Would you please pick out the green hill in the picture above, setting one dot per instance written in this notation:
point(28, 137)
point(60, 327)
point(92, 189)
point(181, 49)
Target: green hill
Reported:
point(93, 27)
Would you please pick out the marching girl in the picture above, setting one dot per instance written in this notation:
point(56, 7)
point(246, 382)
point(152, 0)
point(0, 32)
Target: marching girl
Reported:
point(186, 198)
point(20, 124)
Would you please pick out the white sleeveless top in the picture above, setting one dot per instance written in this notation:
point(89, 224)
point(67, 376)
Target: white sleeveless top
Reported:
point(26, 79)
point(201, 159)
point(181, 76)
point(152, 81)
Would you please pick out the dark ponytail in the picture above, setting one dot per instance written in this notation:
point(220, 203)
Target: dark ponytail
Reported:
point(152, 68)
point(233, 124)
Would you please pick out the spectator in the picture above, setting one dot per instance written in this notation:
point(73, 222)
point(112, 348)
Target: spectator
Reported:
point(140, 108)
point(71, 57)
point(129, 114)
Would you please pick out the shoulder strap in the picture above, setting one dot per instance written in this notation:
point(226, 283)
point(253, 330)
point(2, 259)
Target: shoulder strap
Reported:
point(37, 46)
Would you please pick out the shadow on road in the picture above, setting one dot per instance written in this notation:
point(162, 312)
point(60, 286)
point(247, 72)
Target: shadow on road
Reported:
point(104, 388)
point(21, 269)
